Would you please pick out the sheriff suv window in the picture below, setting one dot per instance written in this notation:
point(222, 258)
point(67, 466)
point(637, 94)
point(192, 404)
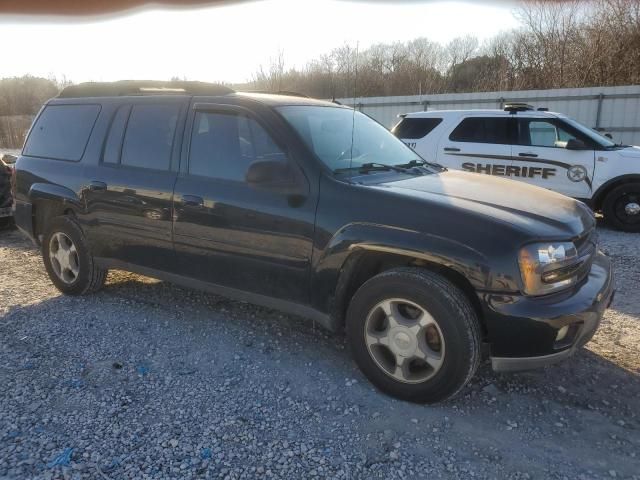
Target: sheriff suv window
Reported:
point(482, 130)
point(415, 128)
point(62, 132)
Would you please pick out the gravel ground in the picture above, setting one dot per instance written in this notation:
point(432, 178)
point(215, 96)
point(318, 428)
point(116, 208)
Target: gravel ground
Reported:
point(147, 380)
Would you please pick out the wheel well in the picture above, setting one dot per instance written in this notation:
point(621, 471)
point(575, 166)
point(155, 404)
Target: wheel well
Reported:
point(362, 266)
point(44, 211)
point(604, 191)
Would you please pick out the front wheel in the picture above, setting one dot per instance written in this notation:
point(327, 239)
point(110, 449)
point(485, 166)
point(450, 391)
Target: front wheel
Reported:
point(621, 207)
point(68, 260)
point(414, 335)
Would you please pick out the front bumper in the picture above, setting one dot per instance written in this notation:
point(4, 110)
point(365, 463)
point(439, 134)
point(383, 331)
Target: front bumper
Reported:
point(523, 330)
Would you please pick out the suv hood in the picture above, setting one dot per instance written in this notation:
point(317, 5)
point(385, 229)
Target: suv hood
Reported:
point(540, 212)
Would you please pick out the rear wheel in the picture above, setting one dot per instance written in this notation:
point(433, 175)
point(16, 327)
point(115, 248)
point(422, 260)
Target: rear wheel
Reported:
point(68, 260)
point(621, 207)
point(414, 335)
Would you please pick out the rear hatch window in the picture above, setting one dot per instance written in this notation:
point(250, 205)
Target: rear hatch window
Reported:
point(62, 131)
point(415, 127)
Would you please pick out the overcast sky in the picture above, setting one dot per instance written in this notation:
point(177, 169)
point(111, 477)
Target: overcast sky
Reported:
point(229, 43)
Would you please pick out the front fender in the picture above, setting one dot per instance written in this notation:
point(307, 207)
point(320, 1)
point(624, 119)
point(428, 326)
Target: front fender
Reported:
point(354, 239)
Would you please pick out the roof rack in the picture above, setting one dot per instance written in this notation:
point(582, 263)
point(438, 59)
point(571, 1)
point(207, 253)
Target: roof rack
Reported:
point(513, 107)
point(280, 92)
point(142, 87)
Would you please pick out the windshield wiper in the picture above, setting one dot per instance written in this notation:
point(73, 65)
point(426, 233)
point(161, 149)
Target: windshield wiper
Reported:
point(373, 167)
point(421, 163)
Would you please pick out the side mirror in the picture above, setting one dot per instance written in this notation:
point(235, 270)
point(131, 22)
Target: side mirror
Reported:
point(274, 175)
point(575, 144)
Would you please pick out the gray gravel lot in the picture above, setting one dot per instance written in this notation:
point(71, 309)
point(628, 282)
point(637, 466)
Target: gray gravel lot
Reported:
point(147, 380)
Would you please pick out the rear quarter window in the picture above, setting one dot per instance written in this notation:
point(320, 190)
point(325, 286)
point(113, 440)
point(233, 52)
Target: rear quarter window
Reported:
point(415, 127)
point(62, 132)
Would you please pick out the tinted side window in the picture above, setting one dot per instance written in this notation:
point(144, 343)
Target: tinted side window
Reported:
point(62, 132)
point(415, 127)
point(223, 145)
point(482, 130)
point(149, 137)
point(116, 131)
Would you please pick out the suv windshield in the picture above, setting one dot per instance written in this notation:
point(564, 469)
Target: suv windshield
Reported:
point(330, 131)
point(592, 134)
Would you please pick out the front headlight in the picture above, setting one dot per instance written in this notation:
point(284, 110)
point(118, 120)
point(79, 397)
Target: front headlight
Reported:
point(548, 267)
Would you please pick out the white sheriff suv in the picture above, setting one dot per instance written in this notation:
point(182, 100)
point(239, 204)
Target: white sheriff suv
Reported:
point(539, 147)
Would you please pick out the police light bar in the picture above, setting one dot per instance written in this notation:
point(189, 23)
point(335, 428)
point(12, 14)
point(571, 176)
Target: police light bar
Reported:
point(514, 107)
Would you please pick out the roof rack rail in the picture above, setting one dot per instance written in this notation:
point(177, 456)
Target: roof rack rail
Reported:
point(142, 87)
point(513, 107)
point(280, 92)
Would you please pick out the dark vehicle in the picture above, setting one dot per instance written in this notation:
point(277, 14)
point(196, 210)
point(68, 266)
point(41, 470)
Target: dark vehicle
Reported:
point(7, 162)
point(315, 209)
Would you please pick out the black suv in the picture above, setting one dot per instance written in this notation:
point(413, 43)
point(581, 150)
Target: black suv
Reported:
point(315, 209)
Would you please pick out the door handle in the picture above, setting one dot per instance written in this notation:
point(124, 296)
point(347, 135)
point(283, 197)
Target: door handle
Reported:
point(451, 149)
point(96, 186)
point(525, 154)
point(192, 201)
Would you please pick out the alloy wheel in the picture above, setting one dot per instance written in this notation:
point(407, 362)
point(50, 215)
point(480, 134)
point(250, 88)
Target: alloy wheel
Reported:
point(64, 257)
point(404, 340)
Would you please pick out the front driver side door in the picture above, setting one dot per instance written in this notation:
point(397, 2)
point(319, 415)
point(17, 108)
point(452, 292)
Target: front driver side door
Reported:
point(228, 232)
point(541, 156)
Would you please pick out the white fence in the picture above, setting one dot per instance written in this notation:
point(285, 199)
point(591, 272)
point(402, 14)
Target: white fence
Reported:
point(610, 109)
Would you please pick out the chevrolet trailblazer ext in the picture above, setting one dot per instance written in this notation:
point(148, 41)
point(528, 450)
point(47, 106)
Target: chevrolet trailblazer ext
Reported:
point(312, 208)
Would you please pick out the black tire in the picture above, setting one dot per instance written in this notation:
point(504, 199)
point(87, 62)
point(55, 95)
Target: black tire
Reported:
point(90, 278)
point(447, 305)
point(614, 205)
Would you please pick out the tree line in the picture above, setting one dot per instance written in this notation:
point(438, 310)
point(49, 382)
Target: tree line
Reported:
point(559, 45)
point(20, 100)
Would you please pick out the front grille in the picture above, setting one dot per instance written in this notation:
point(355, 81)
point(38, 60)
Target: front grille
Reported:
point(587, 246)
point(586, 242)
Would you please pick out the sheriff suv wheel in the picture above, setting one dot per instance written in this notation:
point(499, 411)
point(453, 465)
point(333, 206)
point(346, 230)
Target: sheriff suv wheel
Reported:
point(414, 335)
point(68, 260)
point(621, 207)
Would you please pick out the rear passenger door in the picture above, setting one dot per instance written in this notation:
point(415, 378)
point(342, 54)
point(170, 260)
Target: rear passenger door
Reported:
point(129, 194)
point(479, 144)
point(228, 232)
